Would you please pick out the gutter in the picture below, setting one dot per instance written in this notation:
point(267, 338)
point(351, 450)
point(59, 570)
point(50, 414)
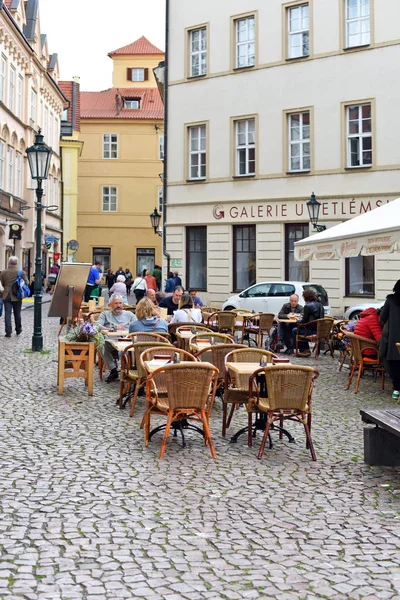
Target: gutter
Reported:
point(165, 177)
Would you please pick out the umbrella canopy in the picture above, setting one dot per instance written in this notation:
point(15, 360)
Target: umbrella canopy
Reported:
point(375, 232)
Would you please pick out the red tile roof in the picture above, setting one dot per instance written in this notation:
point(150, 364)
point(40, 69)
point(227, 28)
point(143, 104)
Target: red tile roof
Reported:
point(66, 88)
point(141, 46)
point(103, 105)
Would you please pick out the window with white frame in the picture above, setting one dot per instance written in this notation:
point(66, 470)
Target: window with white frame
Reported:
point(2, 157)
point(245, 147)
point(160, 199)
point(109, 199)
point(359, 135)
point(51, 122)
point(138, 74)
point(18, 181)
point(245, 42)
point(198, 52)
point(33, 105)
point(20, 87)
point(45, 123)
point(50, 198)
point(10, 174)
point(132, 104)
point(161, 147)
point(56, 191)
point(298, 31)
point(64, 116)
point(110, 145)
point(299, 141)
point(11, 91)
point(3, 72)
point(197, 152)
point(358, 25)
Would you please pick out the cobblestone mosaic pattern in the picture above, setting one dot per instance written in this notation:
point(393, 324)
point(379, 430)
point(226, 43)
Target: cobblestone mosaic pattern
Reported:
point(86, 512)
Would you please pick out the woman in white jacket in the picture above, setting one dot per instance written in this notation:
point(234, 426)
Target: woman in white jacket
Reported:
point(139, 286)
point(186, 313)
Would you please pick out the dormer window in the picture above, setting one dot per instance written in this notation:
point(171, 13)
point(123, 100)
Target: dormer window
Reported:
point(138, 74)
point(132, 104)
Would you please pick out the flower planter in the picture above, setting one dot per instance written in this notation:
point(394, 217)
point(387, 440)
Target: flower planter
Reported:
point(75, 359)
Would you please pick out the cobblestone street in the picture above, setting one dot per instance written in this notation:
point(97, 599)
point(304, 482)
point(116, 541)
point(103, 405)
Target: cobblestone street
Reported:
point(88, 513)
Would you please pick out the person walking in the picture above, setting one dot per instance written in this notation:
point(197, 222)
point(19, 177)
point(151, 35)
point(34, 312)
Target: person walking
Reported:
point(128, 281)
point(110, 278)
point(120, 271)
point(170, 283)
point(119, 287)
point(151, 281)
point(390, 321)
point(178, 280)
point(10, 300)
point(93, 280)
point(139, 286)
point(157, 274)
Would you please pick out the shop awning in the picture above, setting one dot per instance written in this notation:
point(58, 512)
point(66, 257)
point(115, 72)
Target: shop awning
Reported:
point(375, 232)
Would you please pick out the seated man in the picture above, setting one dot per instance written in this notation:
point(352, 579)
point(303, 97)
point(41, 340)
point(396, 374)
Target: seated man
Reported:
point(118, 319)
point(151, 295)
point(285, 329)
point(197, 303)
point(171, 303)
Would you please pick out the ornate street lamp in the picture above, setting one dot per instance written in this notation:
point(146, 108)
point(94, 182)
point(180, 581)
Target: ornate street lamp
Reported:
point(155, 219)
point(39, 156)
point(313, 207)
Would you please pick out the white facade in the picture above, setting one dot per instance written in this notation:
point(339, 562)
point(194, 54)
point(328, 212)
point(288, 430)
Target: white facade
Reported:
point(324, 122)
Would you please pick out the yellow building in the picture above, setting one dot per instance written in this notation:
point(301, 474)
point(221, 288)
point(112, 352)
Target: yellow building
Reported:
point(121, 162)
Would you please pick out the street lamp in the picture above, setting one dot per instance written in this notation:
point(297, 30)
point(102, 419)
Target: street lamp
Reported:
point(313, 207)
point(155, 219)
point(39, 156)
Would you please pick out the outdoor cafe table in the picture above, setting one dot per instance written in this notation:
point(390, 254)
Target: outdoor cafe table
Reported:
point(260, 423)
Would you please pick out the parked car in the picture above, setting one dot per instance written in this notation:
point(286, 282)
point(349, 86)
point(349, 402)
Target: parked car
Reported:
point(353, 312)
point(269, 296)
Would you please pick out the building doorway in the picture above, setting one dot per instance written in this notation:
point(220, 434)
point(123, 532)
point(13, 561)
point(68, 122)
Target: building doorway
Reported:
point(103, 256)
point(145, 258)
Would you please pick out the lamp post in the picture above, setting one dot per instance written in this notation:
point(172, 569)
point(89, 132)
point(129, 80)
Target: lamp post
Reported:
point(39, 156)
point(155, 219)
point(313, 207)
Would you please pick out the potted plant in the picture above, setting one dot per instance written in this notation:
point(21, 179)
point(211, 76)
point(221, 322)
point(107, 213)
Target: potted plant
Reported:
point(85, 332)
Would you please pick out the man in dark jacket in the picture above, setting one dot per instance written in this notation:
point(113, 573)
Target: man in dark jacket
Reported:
point(390, 320)
point(313, 310)
point(11, 302)
point(285, 329)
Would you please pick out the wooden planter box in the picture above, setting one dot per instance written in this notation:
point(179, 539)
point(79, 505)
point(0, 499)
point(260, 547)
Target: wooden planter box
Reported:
point(76, 359)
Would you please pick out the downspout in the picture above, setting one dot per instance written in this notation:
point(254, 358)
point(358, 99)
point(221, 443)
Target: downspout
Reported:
point(165, 176)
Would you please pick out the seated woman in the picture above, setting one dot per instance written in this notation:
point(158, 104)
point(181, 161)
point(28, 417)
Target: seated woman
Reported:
point(369, 327)
point(119, 287)
point(186, 313)
point(148, 319)
point(313, 310)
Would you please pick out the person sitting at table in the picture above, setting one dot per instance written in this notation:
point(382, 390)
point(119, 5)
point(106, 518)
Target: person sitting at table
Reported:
point(368, 326)
point(313, 311)
point(285, 337)
point(186, 313)
point(151, 295)
point(118, 319)
point(159, 296)
point(196, 300)
point(119, 287)
point(171, 303)
point(148, 319)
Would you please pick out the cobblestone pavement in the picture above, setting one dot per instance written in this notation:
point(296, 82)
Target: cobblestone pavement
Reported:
point(88, 513)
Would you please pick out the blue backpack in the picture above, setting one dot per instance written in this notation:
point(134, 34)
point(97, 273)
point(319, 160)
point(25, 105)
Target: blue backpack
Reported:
point(19, 287)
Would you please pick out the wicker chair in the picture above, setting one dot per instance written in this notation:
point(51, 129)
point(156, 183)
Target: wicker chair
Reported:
point(361, 362)
point(188, 390)
point(289, 390)
point(213, 338)
point(225, 321)
point(258, 325)
point(132, 372)
point(323, 334)
point(236, 389)
point(216, 356)
point(194, 328)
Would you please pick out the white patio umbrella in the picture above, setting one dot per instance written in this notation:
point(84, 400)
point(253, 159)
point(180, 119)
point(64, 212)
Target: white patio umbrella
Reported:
point(375, 232)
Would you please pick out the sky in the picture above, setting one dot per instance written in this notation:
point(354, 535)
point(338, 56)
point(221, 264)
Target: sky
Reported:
point(99, 26)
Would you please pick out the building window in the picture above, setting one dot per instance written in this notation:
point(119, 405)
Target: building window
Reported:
point(103, 256)
point(33, 105)
point(198, 52)
point(295, 271)
point(18, 186)
point(196, 257)
point(11, 91)
point(2, 152)
point(132, 104)
point(359, 136)
point(10, 175)
point(299, 142)
point(145, 259)
point(20, 87)
point(109, 203)
point(45, 123)
point(160, 199)
point(51, 134)
point(161, 147)
point(298, 31)
point(245, 42)
point(360, 276)
point(245, 147)
point(64, 116)
point(358, 28)
point(50, 198)
point(244, 256)
point(110, 145)
point(3, 71)
point(197, 152)
point(138, 74)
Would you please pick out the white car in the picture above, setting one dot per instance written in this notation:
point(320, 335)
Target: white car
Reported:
point(269, 296)
point(353, 312)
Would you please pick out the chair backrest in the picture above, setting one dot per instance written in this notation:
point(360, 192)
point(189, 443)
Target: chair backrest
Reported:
point(250, 355)
point(226, 319)
point(216, 355)
point(167, 351)
point(210, 309)
point(241, 311)
point(192, 327)
point(266, 320)
point(188, 386)
point(289, 386)
point(358, 344)
point(144, 336)
point(213, 338)
point(137, 349)
point(324, 327)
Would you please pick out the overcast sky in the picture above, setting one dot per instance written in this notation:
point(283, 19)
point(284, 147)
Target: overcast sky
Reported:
point(83, 32)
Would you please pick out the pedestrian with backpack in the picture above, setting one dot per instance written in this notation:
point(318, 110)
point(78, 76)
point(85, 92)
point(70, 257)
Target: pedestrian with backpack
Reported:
point(13, 281)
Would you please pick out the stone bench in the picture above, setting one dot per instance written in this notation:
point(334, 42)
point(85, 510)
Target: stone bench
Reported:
point(382, 442)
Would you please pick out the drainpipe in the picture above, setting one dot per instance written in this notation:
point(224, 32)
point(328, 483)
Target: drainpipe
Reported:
point(165, 177)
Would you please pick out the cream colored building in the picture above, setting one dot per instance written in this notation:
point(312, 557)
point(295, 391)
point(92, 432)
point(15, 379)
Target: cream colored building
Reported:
point(269, 102)
point(29, 99)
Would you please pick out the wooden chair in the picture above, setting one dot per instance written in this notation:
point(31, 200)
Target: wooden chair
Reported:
point(132, 372)
point(225, 321)
point(144, 336)
point(322, 334)
point(346, 348)
point(213, 338)
point(236, 389)
point(361, 362)
point(216, 356)
point(289, 390)
point(194, 329)
point(258, 325)
point(188, 388)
